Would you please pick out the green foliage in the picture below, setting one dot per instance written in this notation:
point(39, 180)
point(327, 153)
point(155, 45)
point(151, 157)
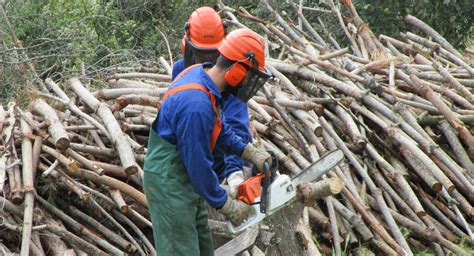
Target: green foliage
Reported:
point(453, 19)
point(59, 35)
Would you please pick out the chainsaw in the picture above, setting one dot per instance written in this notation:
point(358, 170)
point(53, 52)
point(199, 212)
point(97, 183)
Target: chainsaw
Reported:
point(270, 191)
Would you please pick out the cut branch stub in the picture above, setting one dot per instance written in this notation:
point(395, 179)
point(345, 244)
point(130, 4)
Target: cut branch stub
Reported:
point(55, 127)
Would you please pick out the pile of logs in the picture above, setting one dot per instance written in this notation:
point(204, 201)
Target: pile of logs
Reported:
point(401, 110)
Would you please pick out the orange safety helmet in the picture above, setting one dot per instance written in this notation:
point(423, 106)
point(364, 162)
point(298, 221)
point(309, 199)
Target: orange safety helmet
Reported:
point(247, 50)
point(240, 44)
point(203, 34)
point(205, 28)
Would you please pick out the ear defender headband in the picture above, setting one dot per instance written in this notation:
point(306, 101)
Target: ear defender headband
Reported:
point(237, 72)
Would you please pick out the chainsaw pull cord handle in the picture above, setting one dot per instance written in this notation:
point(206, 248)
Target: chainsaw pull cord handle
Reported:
point(269, 174)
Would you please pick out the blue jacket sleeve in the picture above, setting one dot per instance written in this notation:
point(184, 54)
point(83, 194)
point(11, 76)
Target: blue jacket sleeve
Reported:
point(229, 142)
point(177, 68)
point(193, 133)
point(237, 118)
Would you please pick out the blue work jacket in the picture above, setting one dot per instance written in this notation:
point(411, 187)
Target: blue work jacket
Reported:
point(186, 119)
point(236, 115)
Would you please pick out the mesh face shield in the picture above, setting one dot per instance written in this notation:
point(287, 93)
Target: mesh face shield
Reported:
point(253, 81)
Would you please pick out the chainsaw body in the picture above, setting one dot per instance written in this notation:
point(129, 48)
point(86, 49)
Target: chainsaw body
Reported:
point(280, 192)
point(269, 191)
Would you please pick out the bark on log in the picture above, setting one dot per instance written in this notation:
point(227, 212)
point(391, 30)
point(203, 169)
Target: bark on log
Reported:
point(119, 138)
point(28, 186)
point(55, 127)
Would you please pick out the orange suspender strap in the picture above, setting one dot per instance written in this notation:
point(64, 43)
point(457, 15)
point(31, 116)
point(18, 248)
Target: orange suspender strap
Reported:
point(216, 130)
point(184, 72)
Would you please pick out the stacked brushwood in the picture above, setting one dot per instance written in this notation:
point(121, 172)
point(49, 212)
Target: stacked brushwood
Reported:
point(401, 110)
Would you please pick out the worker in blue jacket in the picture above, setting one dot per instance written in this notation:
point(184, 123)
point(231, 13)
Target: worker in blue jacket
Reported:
point(179, 176)
point(198, 47)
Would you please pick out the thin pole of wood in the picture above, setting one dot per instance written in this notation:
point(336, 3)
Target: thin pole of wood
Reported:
point(78, 228)
point(99, 207)
point(455, 122)
point(455, 144)
point(285, 117)
point(71, 106)
point(113, 183)
point(108, 152)
point(158, 77)
point(110, 94)
point(409, 195)
point(412, 20)
point(55, 127)
point(426, 233)
point(74, 240)
point(36, 153)
point(145, 100)
point(28, 186)
point(117, 239)
point(354, 220)
point(395, 197)
point(93, 203)
point(118, 199)
point(405, 249)
point(140, 234)
point(16, 185)
point(430, 146)
point(307, 25)
point(85, 162)
point(337, 12)
point(372, 221)
point(71, 165)
point(454, 82)
point(118, 137)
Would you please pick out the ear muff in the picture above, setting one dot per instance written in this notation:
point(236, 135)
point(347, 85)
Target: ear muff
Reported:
point(226, 27)
point(235, 74)
point(186, 27)
point(186, 37)
point(187, 54)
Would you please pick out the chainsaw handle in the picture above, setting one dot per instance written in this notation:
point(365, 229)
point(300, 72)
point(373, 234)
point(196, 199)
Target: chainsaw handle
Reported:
point(274, 165)
point(267, 180)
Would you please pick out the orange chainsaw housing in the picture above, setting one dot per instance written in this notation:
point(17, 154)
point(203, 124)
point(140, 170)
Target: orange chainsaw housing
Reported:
point(250, 189)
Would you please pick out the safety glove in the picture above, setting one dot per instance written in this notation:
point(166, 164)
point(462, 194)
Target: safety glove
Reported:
point(237, 211)
point(256, 156)
point(234, 180)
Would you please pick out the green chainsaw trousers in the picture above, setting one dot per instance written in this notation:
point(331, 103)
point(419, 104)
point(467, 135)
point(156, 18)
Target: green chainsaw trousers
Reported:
point(178, 213)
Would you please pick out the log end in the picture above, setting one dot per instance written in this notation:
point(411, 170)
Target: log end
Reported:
point(17, 197)
point(361, 143)
point(62, 143)
point(318, 131)
point(73, 167)
point(85, 197)
point(436, 187)
point(124, 209)
point(450, 188)
point(421, 213)
point(130, 248)
point(319, 109)
point(130, 170)
point(336, 185)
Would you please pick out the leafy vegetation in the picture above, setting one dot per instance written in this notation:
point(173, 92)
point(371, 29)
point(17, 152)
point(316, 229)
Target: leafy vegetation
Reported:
point(59, 35)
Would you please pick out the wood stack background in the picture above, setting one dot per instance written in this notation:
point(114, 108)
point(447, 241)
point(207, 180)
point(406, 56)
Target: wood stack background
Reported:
point(402, 110)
